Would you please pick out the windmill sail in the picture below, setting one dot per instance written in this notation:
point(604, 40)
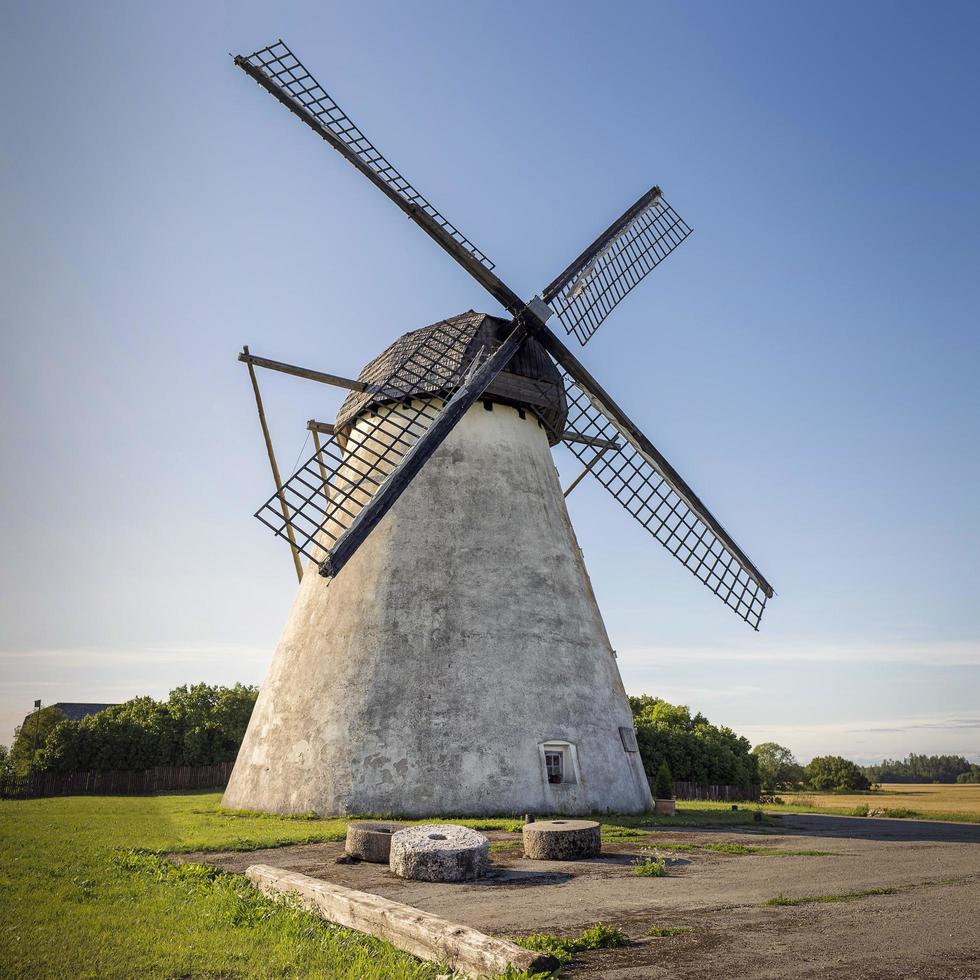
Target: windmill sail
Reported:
point(339, 495)
point(589, 289)
point(286, 76)
point(648, 488)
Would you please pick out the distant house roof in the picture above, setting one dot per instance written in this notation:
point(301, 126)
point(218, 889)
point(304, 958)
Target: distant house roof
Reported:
point(77, 710)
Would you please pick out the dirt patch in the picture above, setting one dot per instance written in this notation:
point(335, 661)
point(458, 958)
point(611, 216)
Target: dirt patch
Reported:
point(926, 928)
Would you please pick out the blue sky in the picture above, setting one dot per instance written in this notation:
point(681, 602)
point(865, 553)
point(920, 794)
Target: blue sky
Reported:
point(807, 359)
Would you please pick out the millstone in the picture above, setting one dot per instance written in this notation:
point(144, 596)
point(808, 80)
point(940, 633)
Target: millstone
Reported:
point(439, 852)
point(370, 840)
point(561, 840)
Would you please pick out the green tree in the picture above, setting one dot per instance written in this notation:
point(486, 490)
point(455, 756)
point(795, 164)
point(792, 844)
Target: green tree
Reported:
point(197, 725)
point(778, 769)
point(693, 748)
point(8, 778)
point(835, 773)
point(664, 785)
point(29, 739)
point(973, 776)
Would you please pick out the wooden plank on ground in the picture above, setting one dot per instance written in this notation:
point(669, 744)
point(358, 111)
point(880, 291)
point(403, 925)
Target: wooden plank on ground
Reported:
point(410, 929)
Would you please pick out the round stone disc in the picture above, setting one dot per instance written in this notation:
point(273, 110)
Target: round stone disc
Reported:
point(370, 840)
point(561, 840)
point(439, 852)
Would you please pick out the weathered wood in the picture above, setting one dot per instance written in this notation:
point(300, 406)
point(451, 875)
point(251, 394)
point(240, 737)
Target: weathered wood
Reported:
point(413, 461)
point(410, 929)
point(324, 476)
point(569, 436)
point(515, 387)
point(297, 564)
point(703, 791)
point(324, 428)
point(113, 781)
point(301, 372)
point(581, 476)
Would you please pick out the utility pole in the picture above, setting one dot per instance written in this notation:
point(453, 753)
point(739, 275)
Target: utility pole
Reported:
point(30, 764)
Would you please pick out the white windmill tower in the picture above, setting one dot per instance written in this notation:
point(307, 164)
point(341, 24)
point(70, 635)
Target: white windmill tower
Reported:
point(449, 657)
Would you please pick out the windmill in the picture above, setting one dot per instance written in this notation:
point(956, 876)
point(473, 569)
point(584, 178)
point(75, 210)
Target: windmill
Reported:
point(450, 656)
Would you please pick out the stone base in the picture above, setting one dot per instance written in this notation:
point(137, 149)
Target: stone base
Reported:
point(561, 840)
point(439, 852)
point(370, 840)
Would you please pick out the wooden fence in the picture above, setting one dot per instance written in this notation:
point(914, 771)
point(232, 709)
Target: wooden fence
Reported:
point(701, 791)
point(216, 777)
point(130, 781)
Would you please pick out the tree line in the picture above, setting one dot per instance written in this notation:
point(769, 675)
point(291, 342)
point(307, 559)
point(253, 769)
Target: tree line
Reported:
point(924, 769)
point(197, 725)
point(202, 724)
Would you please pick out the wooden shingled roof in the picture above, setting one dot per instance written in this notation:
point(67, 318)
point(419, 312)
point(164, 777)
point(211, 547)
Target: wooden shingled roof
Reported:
point(545, 397)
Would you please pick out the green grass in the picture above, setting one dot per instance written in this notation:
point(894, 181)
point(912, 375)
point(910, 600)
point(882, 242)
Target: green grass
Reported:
point(662, 932)
point(823, 899)
point(78, 903)
point(75, 902)
point(564, 949)
point(863, 809)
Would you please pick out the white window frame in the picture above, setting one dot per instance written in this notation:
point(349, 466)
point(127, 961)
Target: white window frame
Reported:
point(570, 770)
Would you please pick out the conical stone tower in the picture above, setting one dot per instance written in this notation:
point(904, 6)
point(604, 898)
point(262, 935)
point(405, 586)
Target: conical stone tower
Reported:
point(458, 665)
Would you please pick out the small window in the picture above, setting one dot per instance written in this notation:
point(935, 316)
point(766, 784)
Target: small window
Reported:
point(553, 762)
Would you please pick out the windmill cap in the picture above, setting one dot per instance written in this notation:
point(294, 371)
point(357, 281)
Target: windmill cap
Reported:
point(475, 331)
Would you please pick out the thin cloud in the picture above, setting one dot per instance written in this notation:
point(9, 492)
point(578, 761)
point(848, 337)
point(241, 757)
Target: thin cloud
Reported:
point(945, 654)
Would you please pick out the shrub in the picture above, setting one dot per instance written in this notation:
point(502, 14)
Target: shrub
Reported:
point(650, 864)
point(664, 785)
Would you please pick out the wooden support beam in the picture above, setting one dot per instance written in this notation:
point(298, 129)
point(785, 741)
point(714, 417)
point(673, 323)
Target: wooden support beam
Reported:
point(244, 356)
point(410, 929)
point(319, 459)
point(324, 428)
point(301, 372)
point(569, 436)
point(581, 476)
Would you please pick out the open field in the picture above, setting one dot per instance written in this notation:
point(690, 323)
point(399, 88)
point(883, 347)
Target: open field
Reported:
point(930, 801)
point(74, 901)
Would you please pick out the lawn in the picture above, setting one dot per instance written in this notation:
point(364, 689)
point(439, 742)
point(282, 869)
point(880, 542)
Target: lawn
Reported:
point(75, 900)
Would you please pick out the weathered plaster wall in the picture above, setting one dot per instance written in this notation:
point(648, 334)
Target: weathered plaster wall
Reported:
point(462, 635)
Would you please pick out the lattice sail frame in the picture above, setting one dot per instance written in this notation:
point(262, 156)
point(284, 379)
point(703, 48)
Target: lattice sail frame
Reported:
point(638, 484)
point(601, 281)
point(282, 67)
point(327, 492)
point(330, 490)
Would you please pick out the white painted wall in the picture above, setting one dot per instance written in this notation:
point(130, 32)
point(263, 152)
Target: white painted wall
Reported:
point(462, 636)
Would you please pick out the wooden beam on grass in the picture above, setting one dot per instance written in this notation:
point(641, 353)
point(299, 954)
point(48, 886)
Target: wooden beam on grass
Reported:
point(410, 929)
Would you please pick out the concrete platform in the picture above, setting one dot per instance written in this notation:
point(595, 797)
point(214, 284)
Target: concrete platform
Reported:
point(927, 929)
